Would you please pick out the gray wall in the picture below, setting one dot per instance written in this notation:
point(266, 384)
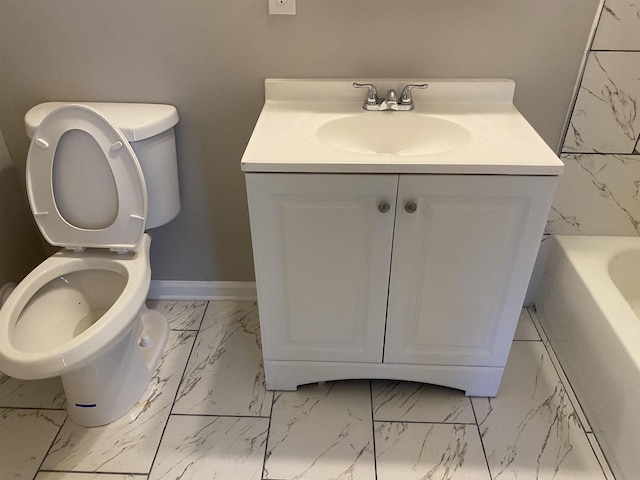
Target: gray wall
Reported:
point(20, 250)
point(209, 58)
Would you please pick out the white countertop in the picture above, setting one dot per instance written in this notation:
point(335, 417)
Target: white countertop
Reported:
point(505, 144)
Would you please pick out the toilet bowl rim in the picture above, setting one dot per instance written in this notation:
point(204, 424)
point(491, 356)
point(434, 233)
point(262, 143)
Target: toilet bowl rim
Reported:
point(108, 330)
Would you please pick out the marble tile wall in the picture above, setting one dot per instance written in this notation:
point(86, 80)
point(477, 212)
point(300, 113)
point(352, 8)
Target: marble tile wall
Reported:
point(599, 193)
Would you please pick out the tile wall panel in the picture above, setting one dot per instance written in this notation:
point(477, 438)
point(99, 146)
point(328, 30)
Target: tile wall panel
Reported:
point(619, 27)
point(605, 118)
point(598, 192)
point(609, 196)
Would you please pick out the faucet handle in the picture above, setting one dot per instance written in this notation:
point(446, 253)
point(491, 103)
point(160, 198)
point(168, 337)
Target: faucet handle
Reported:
point(405, 97)
point(372, 95)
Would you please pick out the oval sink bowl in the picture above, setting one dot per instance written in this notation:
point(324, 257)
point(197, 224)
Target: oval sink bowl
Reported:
point(393, 133)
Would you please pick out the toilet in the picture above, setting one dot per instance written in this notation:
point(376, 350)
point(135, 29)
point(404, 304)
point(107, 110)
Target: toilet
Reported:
point(99, 176)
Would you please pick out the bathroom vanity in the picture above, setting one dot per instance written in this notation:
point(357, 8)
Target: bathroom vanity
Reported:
point(394, 244)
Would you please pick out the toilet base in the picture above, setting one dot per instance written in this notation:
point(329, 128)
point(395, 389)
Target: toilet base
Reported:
point(109, 386)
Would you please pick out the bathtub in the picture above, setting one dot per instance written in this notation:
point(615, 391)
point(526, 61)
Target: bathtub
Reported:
point(588, 303)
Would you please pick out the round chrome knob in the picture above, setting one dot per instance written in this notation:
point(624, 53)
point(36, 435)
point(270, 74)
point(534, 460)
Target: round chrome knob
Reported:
point(410, 207)
point(383, 207)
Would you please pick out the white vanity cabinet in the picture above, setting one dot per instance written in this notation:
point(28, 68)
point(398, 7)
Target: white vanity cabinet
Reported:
point(394, 244)
point(401, 276)
point(322, 252)
point(461, 265)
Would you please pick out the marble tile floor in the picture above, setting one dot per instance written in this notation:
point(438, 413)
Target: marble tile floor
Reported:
point(207, 415)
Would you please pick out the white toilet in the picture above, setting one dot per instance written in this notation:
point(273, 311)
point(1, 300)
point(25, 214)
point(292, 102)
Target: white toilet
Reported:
point(98, 176)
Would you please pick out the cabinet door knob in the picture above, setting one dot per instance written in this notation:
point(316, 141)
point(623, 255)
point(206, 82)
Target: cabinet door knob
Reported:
point(383, 207)
point(410, 207)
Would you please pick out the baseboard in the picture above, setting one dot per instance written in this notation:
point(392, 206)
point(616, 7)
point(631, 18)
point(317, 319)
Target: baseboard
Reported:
point(201, 290)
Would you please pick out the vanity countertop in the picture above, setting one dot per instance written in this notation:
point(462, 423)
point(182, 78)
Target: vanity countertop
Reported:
point(500, 140)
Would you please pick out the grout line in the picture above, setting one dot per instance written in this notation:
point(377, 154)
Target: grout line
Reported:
point(373, 433)
point(96, 474)
point(184, 370)
point(527, 311)
point(584, 58)
point(196, 329)
point(202, 317)
point(424, 423)
point(47, 409)
point(266, 445)
point(484, 451)
point(216, 415)
point(600, 456)
point(51, 445)
point(616, 50)
point(573, 398)
point(600, 154)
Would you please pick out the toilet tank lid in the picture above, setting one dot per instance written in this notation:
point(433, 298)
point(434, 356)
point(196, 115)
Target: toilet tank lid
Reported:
point(137, 121)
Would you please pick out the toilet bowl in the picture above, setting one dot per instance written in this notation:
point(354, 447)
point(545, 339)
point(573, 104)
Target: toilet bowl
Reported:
point(81, 314)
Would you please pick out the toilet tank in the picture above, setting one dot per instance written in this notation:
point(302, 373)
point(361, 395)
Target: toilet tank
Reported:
point(150, 131)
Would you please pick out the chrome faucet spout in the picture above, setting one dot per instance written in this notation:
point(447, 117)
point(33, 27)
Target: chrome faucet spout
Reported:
point(390, 101)
point(391, 97)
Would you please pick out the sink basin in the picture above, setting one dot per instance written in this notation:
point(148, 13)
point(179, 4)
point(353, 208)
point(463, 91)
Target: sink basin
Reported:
point(388, 133)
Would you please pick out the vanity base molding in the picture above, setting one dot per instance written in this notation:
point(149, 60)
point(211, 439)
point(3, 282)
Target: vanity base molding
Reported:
point(475, 381)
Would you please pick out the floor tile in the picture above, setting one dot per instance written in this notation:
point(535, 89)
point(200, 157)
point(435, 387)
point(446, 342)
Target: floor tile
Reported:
point(16, 393)
point(220, 428)
point(417, 402)
point(421, 451)
point(225, 375)
point(88, 476)
point(530, 429)
point(181, 314)
point(204, 448)
point(321, 432)
point(129, 444)
point(526, 330)
point(25, 437)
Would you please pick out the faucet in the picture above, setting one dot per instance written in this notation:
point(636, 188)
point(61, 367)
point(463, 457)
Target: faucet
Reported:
point(390, 101)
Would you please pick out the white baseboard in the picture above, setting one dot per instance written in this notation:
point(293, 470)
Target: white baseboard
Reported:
point(201, 290)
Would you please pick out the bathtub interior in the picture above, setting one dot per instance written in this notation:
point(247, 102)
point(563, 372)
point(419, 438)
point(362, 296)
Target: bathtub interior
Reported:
point(624, 270)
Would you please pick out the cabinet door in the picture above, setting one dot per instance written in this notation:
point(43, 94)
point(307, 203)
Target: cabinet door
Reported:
point(461, 265)
point(322, 252)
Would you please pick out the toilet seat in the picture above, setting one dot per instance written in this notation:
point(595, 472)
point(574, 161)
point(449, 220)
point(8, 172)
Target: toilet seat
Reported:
point(127, 229)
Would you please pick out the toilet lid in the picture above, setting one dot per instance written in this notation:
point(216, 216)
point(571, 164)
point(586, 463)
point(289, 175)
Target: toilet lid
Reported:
point(84, 182)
